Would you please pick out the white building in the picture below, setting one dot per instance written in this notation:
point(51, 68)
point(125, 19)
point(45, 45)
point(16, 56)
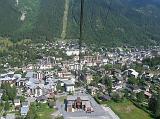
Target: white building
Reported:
point(72, 52)
point(69, 85)
point(17, 103)
point(132, 72)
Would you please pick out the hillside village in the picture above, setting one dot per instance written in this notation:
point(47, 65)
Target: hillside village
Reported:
point(105, 74)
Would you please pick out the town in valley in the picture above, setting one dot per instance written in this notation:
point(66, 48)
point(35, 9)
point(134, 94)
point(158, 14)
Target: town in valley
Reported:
point(52, 83)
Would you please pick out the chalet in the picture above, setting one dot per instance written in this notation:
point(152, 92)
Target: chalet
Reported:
point(21, 82)
point(132, 73)
point(17, 103)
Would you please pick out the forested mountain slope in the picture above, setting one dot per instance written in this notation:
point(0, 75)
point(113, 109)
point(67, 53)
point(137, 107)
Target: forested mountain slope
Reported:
point(43, 18)
point(134, 22)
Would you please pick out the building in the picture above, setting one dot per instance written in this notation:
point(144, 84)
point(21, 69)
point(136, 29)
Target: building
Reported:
point(21, 82)
point(69, 85)
point(133, 73)
point(17, 102)
point(10, 116)
point(8, 78)
point(89, 78)
point(24, 109)
point(81, 103)
point(72, 52)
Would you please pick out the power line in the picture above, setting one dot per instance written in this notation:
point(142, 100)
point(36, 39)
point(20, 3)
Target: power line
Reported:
point(81, 28)
point(81, 33)
point(109, 9)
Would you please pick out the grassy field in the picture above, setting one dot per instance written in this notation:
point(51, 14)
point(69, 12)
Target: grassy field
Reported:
point(44, 112)
point(126, 110)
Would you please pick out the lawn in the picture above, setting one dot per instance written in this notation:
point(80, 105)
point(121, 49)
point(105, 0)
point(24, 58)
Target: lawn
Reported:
point(44, 112)
point(126, 110)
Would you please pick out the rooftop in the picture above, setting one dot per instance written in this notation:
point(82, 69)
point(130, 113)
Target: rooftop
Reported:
point(68, 82)
point(75, 97)
point(24, 110)
point(10, 116)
